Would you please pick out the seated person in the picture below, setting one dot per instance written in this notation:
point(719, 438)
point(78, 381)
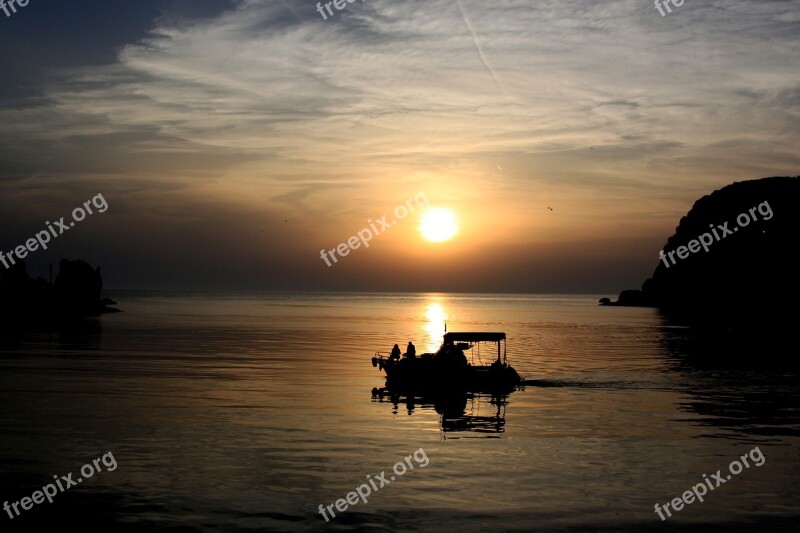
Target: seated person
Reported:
point(395, 356)
point(411, 351)
point(452, 356)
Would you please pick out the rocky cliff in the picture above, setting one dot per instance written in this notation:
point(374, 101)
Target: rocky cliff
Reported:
point(732, 259)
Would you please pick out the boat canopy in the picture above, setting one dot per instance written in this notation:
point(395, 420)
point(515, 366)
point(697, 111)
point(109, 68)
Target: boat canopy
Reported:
point(473, 336)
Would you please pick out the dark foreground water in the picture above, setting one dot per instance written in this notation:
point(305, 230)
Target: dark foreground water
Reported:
point(239, 414)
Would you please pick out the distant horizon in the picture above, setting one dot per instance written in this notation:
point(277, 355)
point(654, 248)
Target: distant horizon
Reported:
point(247, 292)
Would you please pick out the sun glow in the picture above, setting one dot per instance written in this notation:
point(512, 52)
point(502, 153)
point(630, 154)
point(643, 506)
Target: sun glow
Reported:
point(435, 324)
point(438, 225)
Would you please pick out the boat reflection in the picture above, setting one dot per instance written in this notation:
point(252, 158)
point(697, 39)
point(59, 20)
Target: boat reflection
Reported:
point(474, 412)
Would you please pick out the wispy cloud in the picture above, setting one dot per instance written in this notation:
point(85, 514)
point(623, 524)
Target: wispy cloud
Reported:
point(595, 102)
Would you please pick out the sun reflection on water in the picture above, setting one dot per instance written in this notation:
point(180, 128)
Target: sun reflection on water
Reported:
point(435, 325)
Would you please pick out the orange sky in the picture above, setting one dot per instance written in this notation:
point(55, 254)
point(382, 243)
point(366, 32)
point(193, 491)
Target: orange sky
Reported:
point(233, 145)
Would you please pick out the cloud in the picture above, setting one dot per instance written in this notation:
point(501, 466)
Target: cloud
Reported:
point(606, 106)
point(403, 79)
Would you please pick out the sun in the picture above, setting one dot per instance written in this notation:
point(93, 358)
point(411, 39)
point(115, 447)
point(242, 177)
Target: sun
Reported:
point(438, 225)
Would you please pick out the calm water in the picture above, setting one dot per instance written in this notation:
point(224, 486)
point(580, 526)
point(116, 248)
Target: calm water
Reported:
point(246, 413)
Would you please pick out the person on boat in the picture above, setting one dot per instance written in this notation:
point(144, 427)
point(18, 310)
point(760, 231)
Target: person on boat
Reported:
point(411, 351)
point(395, 356)
point(460, 357)
point(452, 357)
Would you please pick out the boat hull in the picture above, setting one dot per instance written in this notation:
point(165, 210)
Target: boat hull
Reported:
point(428, 373)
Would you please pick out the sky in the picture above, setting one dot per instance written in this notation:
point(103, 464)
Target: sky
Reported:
point(233, 140)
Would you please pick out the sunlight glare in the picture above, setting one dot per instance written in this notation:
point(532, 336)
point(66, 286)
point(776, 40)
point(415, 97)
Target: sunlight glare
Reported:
point(438, 225)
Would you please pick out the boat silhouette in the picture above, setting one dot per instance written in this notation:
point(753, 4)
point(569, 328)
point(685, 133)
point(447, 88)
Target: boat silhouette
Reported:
point(448, 368)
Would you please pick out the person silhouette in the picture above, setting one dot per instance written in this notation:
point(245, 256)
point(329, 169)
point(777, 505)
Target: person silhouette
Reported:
point(395, 353)
point(411, 351)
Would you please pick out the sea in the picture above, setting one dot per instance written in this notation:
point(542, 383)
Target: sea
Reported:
point(234, 412)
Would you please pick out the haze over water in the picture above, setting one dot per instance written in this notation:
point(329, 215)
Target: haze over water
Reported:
point(236, 413)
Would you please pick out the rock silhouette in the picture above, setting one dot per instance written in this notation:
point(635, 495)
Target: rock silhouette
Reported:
point(76, 293)
point(748, 277)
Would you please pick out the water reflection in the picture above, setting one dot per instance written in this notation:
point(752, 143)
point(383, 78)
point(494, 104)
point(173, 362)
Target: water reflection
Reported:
point(458, 411)
point(435, 319)
point(738, 385)
point(75, 334)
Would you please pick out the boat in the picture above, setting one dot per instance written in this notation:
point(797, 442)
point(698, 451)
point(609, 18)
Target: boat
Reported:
point(449, 368)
